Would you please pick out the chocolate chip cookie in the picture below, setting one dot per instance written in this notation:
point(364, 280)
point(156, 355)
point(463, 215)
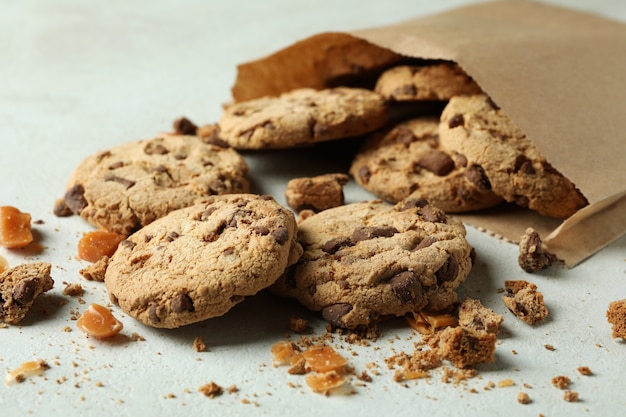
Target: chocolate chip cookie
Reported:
point(20, 286)
point(316, 193)
point(364, 261)
point(407, 160)
point(200, 261)
point(133, 184)
point(302, 116)
point(477, 128)
point(438, 81)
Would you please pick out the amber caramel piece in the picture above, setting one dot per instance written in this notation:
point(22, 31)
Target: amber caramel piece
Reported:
point(99, 322)
point(286, 353)
point(426, 323)
point(97, 244)
point(325, 381)
point(323, 359)
point(4, 264)
point(14, 228)
point(27, 369)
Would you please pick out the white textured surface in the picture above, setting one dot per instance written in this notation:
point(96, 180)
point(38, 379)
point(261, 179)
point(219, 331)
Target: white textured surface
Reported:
point(77, 77)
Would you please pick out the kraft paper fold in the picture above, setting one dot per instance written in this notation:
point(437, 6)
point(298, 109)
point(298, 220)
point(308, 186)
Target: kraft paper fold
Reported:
point(559, 74)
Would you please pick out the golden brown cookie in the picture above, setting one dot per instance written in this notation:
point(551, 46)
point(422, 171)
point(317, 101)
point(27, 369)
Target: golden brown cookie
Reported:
point(408, 161)
point(302, 117)
point(200, 261)
point(477, 128)
point(316, 193)
point(438, 81)
point(133, 184)
point(364, 261)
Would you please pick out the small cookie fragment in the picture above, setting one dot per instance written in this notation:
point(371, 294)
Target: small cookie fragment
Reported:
point(561, 381)
point(96, 270)
point(211, 390)
point(532, 255)
point(199, 345)
point(20, 286)
point(316, 193)
point(616, 315)
point(584, 370)
point(570, 396)
point(73, 290)
point(523, 299)
point(438, 81)
point(302, 116)
point(523, 398)
point(466, 347)
point(473, 315)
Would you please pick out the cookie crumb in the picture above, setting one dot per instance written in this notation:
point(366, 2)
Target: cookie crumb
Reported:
point(96, 270)
point(561, 381)
point(570, 396)
point(616, 315)
point(465, 347)
point(298, 324)
point(523, 398)
point(472, 314)
point(584, 370)
point(184, 126)
point(73, 290)
point(549, 347)
point(135, 337)
point(524, 301)
point(532, 255)
point(211, 390)
point(506, 383)
point(199, 345)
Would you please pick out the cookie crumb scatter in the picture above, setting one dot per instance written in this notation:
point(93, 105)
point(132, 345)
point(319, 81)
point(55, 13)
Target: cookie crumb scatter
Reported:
point(99, 322)
point(25, 370)
point(561, 381)
point(616, 315)
point(523, 398)
point(298, 324)
point(211, 390)
point(135, 337)
point(73, 290)
point(584, 370)
point(570, 396)
point(199, 345)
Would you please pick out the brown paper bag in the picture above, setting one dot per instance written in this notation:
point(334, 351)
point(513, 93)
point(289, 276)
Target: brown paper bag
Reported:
point(559, 74)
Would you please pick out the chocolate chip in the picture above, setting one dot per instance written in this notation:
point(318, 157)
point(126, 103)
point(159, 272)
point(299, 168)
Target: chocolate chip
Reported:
point(153, 313)
point(281, 234)
point(262, 230)
point(456, 121)
point(75, 198)
point(24, 292)
point(433, 214)
point(334, 313)
point(411, 203)
point(172, 236)
point(125, 182)
point(366, 233)
point(184, 126)
point(333, 245)
point(524, 165)
point(61, 209)
point(407, 287)
point(476, 175)
point(365, 174)
point(116, 165)
point(217, 187)
point(426, 242)
point(181, 303)
point(448, 271)
point(180, 156)
point(153, 148)
point(437, 162)
point(206, 214)
point(130, 244)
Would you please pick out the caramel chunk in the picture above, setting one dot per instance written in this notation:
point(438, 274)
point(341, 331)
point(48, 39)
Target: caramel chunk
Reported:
point(99, 322)
point(15, 229)
point(97, 244)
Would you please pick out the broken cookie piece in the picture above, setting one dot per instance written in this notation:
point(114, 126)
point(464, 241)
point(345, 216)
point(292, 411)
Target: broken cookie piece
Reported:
point(616, 315)
point(473, 315)
point(532, 255)
point(523, 299)
point(465, 347)
point(20, 286)
point(316, 193)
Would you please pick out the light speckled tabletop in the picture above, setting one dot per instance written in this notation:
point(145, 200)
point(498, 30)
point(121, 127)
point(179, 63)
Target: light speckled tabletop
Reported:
point(79, 77)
